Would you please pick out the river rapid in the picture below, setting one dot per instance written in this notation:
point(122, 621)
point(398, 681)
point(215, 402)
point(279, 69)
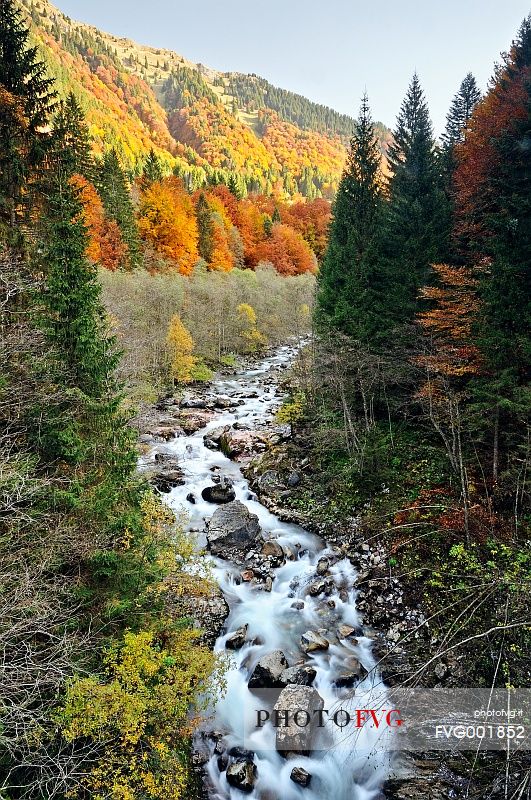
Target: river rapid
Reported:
point(351, 765)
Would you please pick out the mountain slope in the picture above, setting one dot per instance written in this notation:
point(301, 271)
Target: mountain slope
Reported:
point(203, 124)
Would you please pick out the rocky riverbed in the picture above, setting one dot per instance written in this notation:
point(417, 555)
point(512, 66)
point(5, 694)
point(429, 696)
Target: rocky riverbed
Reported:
point(310, 618)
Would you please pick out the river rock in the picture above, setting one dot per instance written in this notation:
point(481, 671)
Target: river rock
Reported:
point(237, 639)
point(193, 419)
point(323, 565)
point(164, 432)
point(311, 641)
point(167, 480)
point(269, 481)
point(267, 672)
point(301, 703)
point(232, 528)
point(345, 632)
point(351, 672)
point(212, 440)
point(300, 776)
point(225, 402)
point(221, 492)
point(193, 402)
point(274, 552)
point(298, 605)
point(301, 676)
point(321, 586)
point(242, 775)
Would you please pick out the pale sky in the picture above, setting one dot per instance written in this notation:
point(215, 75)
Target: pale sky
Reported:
point(331, 50)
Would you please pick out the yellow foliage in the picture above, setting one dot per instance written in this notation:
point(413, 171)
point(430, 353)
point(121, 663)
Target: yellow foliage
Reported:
point(139, 711)
point(254, 340)
point(181, 347)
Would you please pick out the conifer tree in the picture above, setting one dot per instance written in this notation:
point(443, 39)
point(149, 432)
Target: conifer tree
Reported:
point(74, 319)
point(460, 111)
point(26, 101)
point(417, 210)
point(71, 135)
point(352, 285)
point(116, 197)
point(152, 171)
point(205, 228)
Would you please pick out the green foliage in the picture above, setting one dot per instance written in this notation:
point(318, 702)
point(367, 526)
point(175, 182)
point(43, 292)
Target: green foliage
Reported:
point(205, 228)
point(116, 197)
point(26, 102)
point(353, 296)
point(292, 411)
point(136, 714)
point(417, 209)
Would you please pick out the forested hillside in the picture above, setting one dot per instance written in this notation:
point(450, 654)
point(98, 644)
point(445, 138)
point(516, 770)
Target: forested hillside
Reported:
point(201, 122)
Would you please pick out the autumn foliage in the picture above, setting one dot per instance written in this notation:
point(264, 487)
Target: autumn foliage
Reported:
point(106, 246)
point(167, 220)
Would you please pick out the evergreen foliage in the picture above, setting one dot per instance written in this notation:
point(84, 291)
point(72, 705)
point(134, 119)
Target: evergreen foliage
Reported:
point(205, 228)
point(417, 209)
point(116, 196)
point(26, 100)
point(352, 294)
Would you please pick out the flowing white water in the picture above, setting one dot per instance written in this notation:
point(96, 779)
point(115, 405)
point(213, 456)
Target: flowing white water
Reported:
point(356, 767)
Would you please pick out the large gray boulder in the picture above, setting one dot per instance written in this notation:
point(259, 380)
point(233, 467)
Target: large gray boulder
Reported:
point(268, 671)
point(302, 675)
point(301, 704)
point(232, 530)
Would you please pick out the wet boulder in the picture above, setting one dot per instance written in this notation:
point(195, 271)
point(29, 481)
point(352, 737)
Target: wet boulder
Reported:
point(166, 480)
point(267, 672)
point(232, 530)
point(237, 639)
point(300, 776)
point(274, 552)
point(302, 675)
point(320, 586)
point(347, 632)
point(221, 492)
point(312, 641)
point(299, 705)
point(351, 673)
point(242, 775)
point(213, 439)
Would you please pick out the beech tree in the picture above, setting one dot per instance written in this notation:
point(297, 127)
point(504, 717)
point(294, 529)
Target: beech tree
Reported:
point(181, 348)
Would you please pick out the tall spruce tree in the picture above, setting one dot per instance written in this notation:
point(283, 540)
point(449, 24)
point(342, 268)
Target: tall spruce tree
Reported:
point(152, 170)
point(116, 197)
point(26, 101)
point(352, 284)
point(461, 109)
point(71, 134)
point(205, 228)
point(415, 229)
